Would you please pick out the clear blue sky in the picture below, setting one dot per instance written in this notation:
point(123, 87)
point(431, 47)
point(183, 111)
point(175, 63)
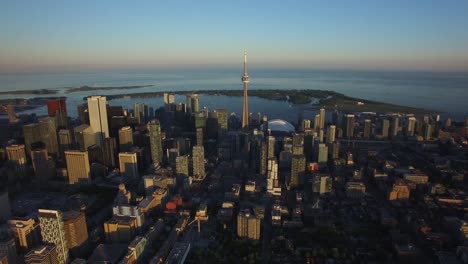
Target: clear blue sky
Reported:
point(365, 34)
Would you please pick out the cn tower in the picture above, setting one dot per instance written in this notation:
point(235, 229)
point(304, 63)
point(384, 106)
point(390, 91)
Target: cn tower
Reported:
point(245, 109)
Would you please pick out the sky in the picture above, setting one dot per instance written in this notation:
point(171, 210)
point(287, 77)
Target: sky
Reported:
point(62, 35)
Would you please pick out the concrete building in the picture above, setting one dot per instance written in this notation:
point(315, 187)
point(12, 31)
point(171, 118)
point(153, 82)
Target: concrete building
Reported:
point(76, 233)
point(32, 137)
point(248, 225)
point(53, 232)
point(84, 137)
point(154, 130)
point(182, 165)
point(43, 254)
point(297, 171)
point(331, 131)
point(198, 161)
point(120, 229)
point(125, 138)
point(128, 164)
point(97, 108)
point(322, 155)
point(78, 168)
point(65, 141)
point(27, 233)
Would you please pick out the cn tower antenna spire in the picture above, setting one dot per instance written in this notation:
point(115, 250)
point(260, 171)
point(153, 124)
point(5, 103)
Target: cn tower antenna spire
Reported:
point(245, 109)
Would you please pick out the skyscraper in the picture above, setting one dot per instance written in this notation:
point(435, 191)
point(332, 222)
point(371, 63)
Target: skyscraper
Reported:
point(367, 128)
point(198, 160)
point(17, 156)
point(182, 167)
point(331, 134)
point(125, 138)
point(57, 108)
point(43, 254)
point(109, 152)
point(349, 126)
point(322, 184)
point(65, 141)
point(297, 170)
point(97, 108)
point(322, 118)
point(48, 132)
point(245, 109)
point(32, 137)
point(322, 153)
point(53, 232)
point(77, 166)
point(385, 128)
point(136, 112)
point(410, 126)
point(76, 233)
point(27, 233)
point(84, 137)
point(128, 164)
point(394, 128)
point(271, 146)
point(248, 225)
point(154, 130)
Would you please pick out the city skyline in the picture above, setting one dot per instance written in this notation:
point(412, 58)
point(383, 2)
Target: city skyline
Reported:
point(57, 37)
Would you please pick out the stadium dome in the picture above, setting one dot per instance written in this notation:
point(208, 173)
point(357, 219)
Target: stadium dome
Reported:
point(280, 126)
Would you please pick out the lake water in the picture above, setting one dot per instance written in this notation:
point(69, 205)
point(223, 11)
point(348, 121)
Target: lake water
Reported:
point(445, 92)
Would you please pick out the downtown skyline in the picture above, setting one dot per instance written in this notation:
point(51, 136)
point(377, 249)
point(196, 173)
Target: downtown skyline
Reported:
point(57, 36)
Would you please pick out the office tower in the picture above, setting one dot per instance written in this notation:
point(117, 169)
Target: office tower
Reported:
point(198, 160)
point(44, 167)
point(349, 126)
point(5, 209)
point(84, 137)
point(222, 118)
point(154, 131)
point(385, 128)
point(305, 124)
point(17, 156)
point(43, 254)
point(427, 131)
point(109, 152)
point(331, 134)
point(125, 138)
point(273, 184)
point(271, 146)
point(410, 126)
point(248, 225)
point(48, 133)
point(394, 128)
point(58, 108)
point(182, 165)
point(321, 135)
point(77, 166)
point(32, 137)
point(199, 135)
point(143, 113)
point(76, 233)
point(10, 109)
point(192, 104)
point(172, 154)
point(317, 122)
point(297, 170)
point(335, 150)
point(53, 232)
point(322, 184)
point(27, 233)
point(65, 141)
point(169, 99)
point(322, 156)
point(83, 113)
point(136, 112)
point(97, 108)
point(367, 128)
point(322, 118)
point(245, 108)
point(128, 164)
point(263, 155)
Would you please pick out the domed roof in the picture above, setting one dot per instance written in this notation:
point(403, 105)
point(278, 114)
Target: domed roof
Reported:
point(279, 125)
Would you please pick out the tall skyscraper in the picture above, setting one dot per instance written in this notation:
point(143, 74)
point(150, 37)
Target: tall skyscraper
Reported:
point(97, 108)
point(394, 128)
point(17, 156)
point(154, 130)
point(136, 112)
point(273, 184)
point(297, 170)
point(76, 233)
point(322, 156)
point(317, 122)
point(385, 128)
point(53, 232)
point(322, 118)
point(125, 138)
point(57, 108)
point(27, 233)
point(84, 137)
point(44, 167)
point(169, 99)
point(331, 134)
point(271, 146)
point(77, 166)
point(109, 152)
point(49, 134)
point(245, 109)
point(410, 126)
point(349, 126)
point(43, 254)
point(198, 160)
point(12, 117)
point(65, 141)
point(128, 164)
point(199, 136)
point(32, 137)
point(367, 128)
point(182, 165)
point(248, 225)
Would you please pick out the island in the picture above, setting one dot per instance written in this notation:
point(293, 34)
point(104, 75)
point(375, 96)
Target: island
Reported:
point(75, 89)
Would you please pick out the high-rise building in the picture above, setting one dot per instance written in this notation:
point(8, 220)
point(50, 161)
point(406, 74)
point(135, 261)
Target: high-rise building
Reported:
point(427, 131)
point(53, 232)
point(43, 254)
point(27, 233)
point(273, 184)
point(136, 112)
point(271, 146)
point(57, 108)
point(349, 126)
point(394, 128)
point(169, 99)
point(83, 113)
point(322, 118)
point(199, 135)
point(263, 155)
point(125, 138)
point(331, 134)
point(317, 122)
point(297, 170)
point(222, 117)
point(198, 160)
point(76, 233)
point(192, 105)
point(385, 128)
point(32, 137)
point(335, 152)
point(97, 108)
point(248, 225)
point(367, 128)
point(410, 126)
point(8, 250)
point(48, 132)
point(322, 156)
point(77, 166)
point(128, 164)
point(154, 130)
point(322, 184)
point(182, 165)
point(84, 137)
point(17, 157)
point(65, 141)
point(5, 209)
point(109, 152)
point(245, 108)
point(44, 167)
point(12, 117)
